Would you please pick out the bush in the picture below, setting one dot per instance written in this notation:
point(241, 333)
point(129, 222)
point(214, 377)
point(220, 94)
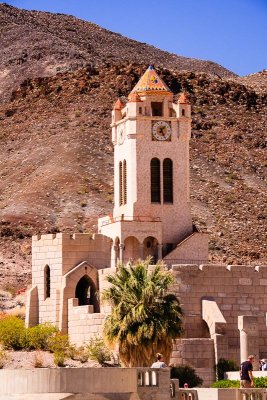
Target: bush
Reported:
point(39, 336)
point(98, 351)
point(59, 359)
point(58, 343)
point(3, 358)
point(259, 383)
point(224, 366)
point(13, 333)
point(226, 384)
point(82, 354)
point(72, 352)
point(38, 360)
point(186, 374)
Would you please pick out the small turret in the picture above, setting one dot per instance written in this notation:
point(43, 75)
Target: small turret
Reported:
point(184, 107)
point(117, 111)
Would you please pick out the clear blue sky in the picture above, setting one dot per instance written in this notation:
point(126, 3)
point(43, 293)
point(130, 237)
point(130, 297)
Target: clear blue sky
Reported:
point(232, 33)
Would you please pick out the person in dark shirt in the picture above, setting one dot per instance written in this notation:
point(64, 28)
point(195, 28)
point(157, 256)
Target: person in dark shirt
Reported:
point(246, 377)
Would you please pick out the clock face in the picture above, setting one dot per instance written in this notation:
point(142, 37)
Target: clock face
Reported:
point(161, 130)
point(121, 134)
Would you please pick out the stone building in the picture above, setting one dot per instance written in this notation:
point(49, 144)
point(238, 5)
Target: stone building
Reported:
point(151, 217)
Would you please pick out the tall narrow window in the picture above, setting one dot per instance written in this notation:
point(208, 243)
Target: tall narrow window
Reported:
point(124, 182)
point(46, 282)
point(167, 181)
point(120, 183)
point(155, 180)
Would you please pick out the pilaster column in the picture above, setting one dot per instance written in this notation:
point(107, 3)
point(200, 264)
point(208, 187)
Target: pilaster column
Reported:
point(121, 251)
point(141, 251)
point(113, 256)
point(249, 338)
point(159, 251)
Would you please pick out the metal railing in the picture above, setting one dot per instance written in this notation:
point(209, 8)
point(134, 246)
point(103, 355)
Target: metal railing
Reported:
point(127, 218)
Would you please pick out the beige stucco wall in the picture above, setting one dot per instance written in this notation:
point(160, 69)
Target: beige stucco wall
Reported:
point(194, 249)
point(84, 381)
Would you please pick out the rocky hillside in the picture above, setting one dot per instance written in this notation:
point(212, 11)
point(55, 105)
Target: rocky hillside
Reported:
point(34, 44)
point(56, 162)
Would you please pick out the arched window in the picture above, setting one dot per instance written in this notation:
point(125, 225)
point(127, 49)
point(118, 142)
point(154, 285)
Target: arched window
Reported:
point(155, 180)
point(124, 182)
point(47, 282)
point(167, 181)
point(120, 183)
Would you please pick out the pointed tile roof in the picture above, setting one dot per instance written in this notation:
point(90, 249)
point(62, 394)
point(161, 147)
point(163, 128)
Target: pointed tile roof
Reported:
point(134, 97)
point(151, 83)
point(183, 99)
point(118, 105)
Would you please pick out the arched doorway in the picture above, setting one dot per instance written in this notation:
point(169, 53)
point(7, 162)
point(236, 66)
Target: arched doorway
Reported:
point(132, 249)
point(86, 293)
point(151, 249)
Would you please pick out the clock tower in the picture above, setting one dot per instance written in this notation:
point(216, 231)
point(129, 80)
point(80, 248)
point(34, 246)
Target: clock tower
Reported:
point(150, 134)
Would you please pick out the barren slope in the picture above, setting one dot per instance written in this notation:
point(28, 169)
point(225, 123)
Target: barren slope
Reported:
point(34, 44)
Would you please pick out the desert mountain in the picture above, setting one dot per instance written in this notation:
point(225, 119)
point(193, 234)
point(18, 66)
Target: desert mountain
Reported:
point(34, 44)
point(56, 162)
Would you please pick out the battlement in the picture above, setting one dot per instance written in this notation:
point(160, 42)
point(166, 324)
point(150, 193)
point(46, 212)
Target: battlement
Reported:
point(219, 268)
point(67, 237)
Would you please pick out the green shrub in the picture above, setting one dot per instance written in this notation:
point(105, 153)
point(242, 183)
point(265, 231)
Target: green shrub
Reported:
point(58, 343)
point(39, 336)
point(98, 351)
point(186, 374)
point(13, 333)
point(226, 384)
point(59, 359)
point(224, 366)
point(259, 383)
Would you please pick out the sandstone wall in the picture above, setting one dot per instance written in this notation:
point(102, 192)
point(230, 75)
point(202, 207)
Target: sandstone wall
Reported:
point(237, 290)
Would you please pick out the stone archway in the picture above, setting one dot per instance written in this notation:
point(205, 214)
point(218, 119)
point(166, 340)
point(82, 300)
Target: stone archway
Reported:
point(150, 248)
point(69, 284)
point(86, 293)
point(131, 249)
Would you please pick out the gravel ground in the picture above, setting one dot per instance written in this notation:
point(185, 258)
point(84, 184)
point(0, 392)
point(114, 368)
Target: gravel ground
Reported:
point(29, 359)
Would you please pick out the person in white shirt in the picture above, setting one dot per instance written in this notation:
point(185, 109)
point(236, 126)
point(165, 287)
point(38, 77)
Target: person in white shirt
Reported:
point(159, 363)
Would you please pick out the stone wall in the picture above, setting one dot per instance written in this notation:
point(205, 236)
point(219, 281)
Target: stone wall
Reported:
point(83, 323)
point(237, 290)
point(197, 353)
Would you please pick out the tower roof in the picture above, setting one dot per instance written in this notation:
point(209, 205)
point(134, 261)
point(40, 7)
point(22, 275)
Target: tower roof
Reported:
point(183, 99)
point(150, 83)
point(134, 97)
point(118, 105)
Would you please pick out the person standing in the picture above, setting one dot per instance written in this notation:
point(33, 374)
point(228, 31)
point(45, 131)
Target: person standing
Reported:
point(246, 377)
point(159, 363)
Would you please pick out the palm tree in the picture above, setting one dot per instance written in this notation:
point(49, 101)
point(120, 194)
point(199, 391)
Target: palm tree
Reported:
point(144, 318)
